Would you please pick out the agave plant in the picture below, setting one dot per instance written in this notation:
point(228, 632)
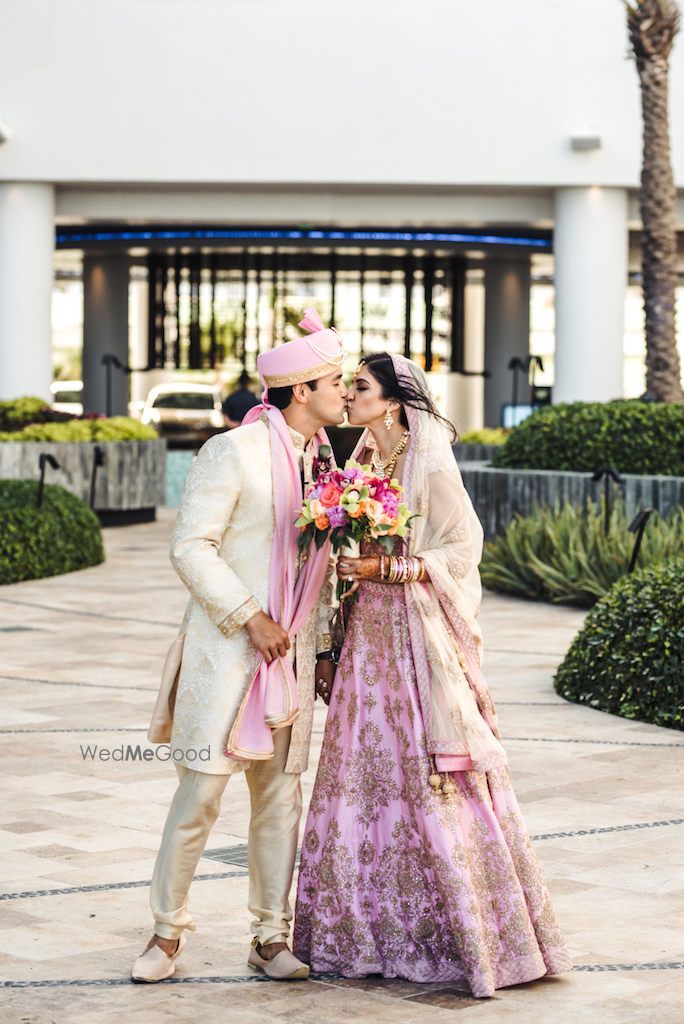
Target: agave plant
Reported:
point(652, 27)
point(564, 555)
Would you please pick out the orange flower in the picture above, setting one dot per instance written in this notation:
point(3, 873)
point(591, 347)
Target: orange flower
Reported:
point(322, 522)
point(357, 514)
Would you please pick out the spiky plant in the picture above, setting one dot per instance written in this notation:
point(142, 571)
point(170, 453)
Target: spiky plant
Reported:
point(563, 554)
point(652, 27)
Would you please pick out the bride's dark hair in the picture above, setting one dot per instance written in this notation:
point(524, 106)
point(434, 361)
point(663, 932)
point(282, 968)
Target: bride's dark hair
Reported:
point(406, 391)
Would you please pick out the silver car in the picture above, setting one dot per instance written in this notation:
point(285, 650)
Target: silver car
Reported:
point(185, 413)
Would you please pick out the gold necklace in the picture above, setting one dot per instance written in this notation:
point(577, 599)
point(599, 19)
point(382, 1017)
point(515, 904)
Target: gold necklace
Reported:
point(385, 467)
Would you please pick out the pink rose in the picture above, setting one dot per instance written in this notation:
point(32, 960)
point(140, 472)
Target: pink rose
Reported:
point(330, 496)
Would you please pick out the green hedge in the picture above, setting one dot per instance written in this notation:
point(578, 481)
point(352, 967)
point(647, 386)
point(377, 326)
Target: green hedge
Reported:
point(61, 536)
point(633, 436)
point(32, 419)
point(563, 555)
point(628, 658)
point(117, 428)
point(19, 412)
point(487, 435)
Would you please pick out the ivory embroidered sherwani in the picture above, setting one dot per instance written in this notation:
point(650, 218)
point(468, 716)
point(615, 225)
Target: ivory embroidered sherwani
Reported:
point(221, 549)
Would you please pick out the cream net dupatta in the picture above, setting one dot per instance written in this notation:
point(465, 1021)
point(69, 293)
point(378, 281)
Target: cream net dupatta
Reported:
point(458, 711)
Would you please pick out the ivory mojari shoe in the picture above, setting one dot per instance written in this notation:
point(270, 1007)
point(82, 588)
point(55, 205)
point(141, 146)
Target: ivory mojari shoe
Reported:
point(155, 964)
point(283, 967)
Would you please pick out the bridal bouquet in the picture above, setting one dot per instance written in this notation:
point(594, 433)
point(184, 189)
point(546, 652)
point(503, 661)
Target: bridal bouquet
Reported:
point(350, 505)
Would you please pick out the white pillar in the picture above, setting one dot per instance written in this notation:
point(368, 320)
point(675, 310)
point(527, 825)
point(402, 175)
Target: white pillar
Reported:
point(27, 241)
point(590, 248)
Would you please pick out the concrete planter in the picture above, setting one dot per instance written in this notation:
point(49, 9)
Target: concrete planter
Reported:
point(129, 486)
point(474, 452)
point(498, 494)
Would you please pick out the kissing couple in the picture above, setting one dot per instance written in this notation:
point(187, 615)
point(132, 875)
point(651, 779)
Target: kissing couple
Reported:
point(415, 862)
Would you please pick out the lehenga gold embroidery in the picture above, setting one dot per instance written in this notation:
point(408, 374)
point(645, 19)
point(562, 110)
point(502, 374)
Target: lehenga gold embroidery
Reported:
point(395, 879)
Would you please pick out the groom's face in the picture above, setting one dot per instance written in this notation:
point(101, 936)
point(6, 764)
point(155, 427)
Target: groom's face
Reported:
point(327, 402)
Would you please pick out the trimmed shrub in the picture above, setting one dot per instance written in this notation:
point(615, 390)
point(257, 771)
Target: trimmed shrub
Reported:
point(564, 556)
point(116, 428)
point(19, 412)
point(487, 435)
point(633, 436)
point(628, 659)
point(61, 536)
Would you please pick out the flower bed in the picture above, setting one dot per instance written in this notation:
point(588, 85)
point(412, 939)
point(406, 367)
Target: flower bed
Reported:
point(130, 458)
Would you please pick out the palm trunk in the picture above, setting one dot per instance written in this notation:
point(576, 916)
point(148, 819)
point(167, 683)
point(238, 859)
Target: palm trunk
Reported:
point(652, 26)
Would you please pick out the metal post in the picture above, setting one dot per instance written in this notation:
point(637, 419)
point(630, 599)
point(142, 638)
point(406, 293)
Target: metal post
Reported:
point(609, 476)
point(408, 283)
point(637, 526)
point(515, 364)
point(98, 460)
point(362, 309)
point(333, 286)
point(44, 460)
point(428, 284)
point(257, 266)
point(457, 273)
point(245, 284)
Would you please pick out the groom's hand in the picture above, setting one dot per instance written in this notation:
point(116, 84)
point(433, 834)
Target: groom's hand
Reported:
point(268, 637)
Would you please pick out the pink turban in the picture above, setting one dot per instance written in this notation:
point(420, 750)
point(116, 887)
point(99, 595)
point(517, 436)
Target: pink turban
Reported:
point(304, 359)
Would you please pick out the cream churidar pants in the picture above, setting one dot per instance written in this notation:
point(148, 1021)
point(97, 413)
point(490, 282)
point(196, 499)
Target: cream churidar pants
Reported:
point(276, 807)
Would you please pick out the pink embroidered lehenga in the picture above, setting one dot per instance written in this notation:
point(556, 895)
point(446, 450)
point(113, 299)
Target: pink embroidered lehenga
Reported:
point(396, 879)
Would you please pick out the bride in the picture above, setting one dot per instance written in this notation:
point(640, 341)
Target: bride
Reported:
point(415, 861)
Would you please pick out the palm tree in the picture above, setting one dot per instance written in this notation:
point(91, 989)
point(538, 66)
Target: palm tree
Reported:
point(652, 26)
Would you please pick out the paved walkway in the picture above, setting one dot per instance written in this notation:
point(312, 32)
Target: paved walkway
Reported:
point(80, 657)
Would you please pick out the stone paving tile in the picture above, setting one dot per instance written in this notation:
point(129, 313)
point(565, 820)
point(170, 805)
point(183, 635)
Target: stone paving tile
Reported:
point(91, 662)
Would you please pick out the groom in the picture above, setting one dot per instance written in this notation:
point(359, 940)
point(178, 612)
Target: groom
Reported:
point(243, 671)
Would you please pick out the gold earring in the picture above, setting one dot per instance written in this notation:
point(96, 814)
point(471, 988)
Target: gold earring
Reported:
point(389, 419)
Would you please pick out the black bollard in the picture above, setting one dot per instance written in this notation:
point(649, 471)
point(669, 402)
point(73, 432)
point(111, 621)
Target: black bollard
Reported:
point(609, 477)
point(44, 460)
point(637, 526)
point(515, 364)
point(98, 460)
point(536, 363)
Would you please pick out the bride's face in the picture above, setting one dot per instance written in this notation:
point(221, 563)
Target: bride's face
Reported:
point(365, 404)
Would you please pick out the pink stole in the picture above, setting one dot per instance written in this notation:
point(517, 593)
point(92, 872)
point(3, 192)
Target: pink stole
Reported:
point(271, 699)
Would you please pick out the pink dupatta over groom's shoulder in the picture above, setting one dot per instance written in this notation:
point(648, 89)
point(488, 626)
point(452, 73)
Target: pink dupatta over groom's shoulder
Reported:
point(271, 699)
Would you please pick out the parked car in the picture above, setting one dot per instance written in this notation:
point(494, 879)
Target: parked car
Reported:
point(185, 413)
point(67, 396)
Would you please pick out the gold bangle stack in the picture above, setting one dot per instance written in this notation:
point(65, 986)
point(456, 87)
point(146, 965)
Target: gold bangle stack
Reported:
point(402, 569)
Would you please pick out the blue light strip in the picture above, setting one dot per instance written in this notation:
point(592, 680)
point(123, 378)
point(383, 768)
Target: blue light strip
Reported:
point(285, 234)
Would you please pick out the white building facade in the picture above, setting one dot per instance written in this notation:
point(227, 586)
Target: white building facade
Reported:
point(457, 183)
